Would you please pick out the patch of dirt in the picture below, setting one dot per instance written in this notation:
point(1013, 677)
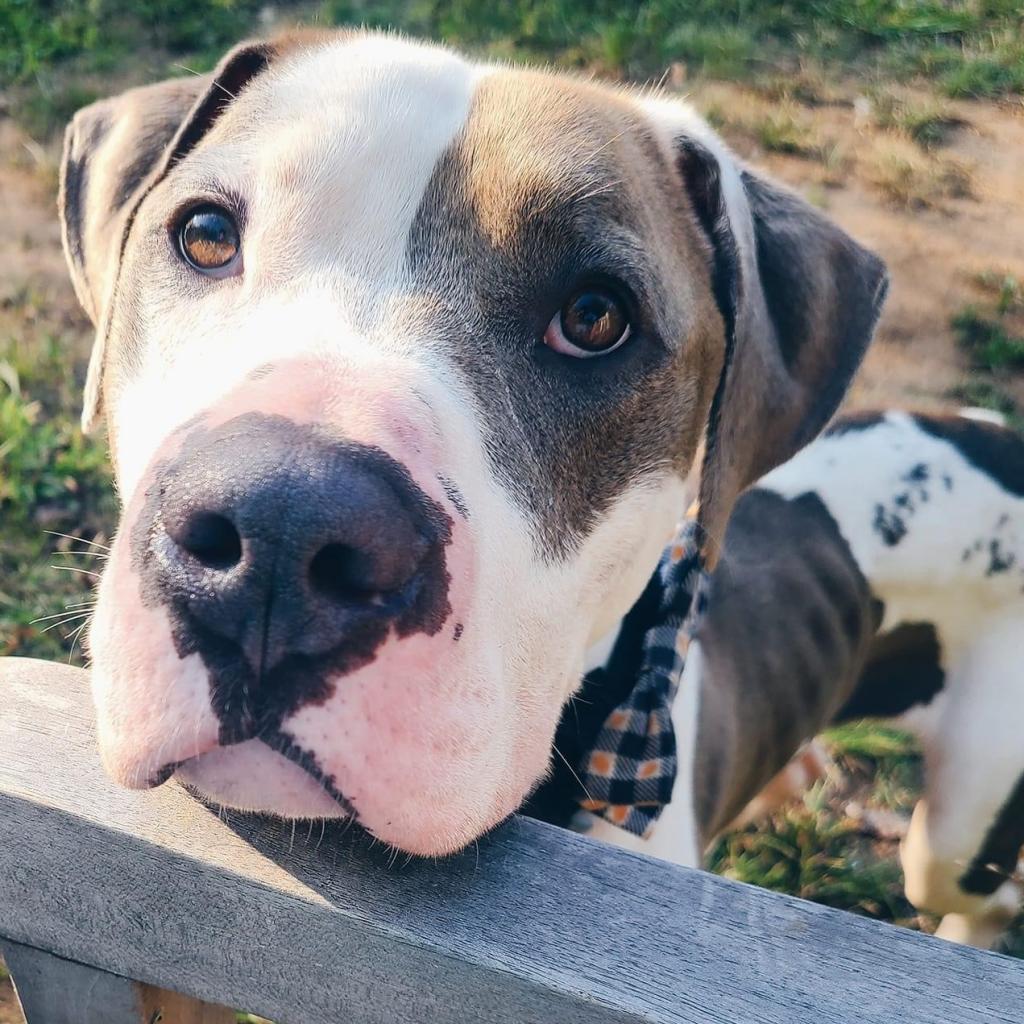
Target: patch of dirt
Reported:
point(934, 252)
point(34, 283)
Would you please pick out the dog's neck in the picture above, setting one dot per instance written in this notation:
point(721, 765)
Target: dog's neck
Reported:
point(612, 666)
point(767, 605)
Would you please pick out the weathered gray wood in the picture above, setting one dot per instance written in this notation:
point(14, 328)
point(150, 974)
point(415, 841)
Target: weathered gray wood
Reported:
point(56, 991)
point(52, 990)
point(535, 925)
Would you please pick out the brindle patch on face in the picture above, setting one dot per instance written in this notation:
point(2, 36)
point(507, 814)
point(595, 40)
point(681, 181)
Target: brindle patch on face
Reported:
point(250, 696)
point(553, 185)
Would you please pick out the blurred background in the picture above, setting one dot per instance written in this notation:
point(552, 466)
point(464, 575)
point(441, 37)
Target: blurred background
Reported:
point(903, 119)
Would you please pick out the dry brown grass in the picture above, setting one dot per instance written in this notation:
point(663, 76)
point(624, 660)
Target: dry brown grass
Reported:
point(907, 176)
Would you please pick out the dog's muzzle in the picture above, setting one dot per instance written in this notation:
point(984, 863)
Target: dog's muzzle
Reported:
point(285, 555)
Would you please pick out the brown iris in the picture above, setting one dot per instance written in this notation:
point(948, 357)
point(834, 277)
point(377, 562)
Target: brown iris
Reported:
point(593, 321)
point(208, 238)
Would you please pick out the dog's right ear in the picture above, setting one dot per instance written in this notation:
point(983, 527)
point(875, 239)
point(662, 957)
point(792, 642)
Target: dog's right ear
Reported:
point(115, 151)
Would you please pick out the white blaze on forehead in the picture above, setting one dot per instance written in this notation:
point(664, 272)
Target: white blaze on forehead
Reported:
point(348, 137)
point(332, 151)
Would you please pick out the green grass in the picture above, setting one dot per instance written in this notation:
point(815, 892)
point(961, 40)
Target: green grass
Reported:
point(983, 393)
point(780, 132)
point(985, 77)
point(987, 340)
point(1004, 289)
point(813, 849)
point(926, 122)
point(53, 480)
point(972, 48)
point(990, 334)
point(883, 745)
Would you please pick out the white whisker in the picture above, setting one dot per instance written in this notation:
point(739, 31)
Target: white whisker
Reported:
point(572, 770)
point(74, 639)
point(65, 621)
point(75, 568)
point(78, 540)
point(85, 554)
point(57, 615)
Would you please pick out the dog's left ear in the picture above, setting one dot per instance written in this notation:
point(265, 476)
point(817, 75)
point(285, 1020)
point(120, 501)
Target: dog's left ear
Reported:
point(800, 300)
point(115, 151)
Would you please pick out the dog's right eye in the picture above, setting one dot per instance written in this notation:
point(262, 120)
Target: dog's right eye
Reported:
point(208, 239)
point(593, 322)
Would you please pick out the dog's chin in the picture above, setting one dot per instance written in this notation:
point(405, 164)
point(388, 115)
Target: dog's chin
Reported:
point(252, 777)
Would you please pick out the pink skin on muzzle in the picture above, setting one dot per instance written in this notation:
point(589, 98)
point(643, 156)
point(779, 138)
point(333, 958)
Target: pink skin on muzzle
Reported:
point(423, 742)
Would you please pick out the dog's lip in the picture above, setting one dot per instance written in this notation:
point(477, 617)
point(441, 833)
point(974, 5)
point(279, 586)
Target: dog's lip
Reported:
point(162, 775)
point(281, 743)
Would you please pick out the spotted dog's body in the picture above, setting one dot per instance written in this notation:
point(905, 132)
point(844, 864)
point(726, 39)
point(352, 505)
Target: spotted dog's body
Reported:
point(406, 363)
point(879, 573)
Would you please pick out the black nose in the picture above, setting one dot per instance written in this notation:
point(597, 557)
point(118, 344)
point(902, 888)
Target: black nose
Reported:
point(284, 555)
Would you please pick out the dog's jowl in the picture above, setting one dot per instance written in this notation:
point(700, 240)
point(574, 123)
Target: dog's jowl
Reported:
point(405, 363)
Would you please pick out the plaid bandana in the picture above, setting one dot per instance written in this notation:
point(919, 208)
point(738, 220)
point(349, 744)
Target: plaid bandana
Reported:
point(628, 774)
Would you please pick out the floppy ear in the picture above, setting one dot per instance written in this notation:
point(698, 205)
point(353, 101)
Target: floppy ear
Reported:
point(800, 300)
point(115, 151)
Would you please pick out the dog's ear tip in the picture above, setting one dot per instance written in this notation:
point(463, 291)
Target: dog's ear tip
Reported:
point(89, 420)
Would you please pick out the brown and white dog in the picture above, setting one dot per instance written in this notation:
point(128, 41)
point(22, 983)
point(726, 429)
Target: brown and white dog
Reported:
point(879, 573)
point(406, 363)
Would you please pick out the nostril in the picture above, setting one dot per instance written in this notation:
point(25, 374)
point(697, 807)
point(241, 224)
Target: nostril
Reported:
point(211, 539)
point(343, 573)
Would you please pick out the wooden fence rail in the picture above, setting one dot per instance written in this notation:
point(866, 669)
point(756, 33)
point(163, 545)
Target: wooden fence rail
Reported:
point(112, 900)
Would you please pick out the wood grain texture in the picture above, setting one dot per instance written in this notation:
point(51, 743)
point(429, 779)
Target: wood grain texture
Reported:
point(535, 925)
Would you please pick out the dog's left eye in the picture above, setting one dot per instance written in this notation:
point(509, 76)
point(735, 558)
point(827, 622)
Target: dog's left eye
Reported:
point(208, 239)
point(593, 322)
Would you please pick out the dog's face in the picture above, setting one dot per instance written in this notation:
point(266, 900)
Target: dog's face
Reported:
point(405, 362)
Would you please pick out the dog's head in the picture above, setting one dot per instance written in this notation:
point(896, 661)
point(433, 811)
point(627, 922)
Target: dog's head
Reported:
point(405, 362)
